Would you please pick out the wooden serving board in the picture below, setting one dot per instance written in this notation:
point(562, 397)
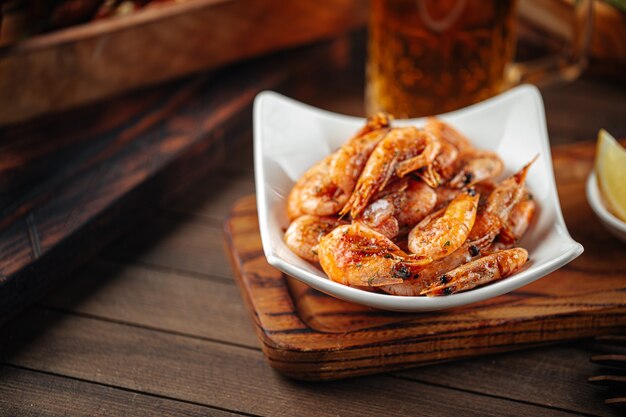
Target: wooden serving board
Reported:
point(309, 335)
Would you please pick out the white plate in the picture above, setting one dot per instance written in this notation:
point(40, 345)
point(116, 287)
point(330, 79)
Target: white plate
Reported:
point(290, 136)
point(611, 223)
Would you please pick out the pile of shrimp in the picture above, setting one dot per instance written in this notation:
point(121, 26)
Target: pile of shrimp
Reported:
point(410, 211)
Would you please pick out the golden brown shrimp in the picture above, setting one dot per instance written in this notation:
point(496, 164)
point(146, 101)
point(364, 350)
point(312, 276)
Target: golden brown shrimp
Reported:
point(442, 168)
point(496, 211)
point(445, 132)
point(446, 194)
point(401, 151)
point(495, 266)
point(401, 204)
point(358, 256)
point(352, 156)
point(447, 162)
point(518, 221)
point(315, 193)
point(437, 237)
point(428, 274)
point(324, 189)
point(304, 234)
point(477, 166)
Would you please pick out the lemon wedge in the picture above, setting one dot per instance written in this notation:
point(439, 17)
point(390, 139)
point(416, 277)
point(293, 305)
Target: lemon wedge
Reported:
point(611, 173)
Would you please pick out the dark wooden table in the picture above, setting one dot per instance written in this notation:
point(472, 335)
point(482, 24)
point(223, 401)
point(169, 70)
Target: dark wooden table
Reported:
point(155, 324)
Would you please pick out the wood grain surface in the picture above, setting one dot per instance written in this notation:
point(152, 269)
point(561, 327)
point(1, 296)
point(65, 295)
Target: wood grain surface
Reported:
point(155, 324)
point(45, 227)
point(63, 69)
point(137, 325)
point(309, 335)
point(60, 188)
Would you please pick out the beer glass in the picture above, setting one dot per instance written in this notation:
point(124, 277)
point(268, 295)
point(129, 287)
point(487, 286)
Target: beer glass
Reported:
point(432, 56)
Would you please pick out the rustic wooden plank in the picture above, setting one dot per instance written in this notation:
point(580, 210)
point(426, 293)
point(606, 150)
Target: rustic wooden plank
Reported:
point(213, 198)
point(215, 374)
point(213, 310)
point(98, 181)
point(208, 309)
point(191, 36)
point(158, 299)
point(28, 393)
point(555, 376)
point(175, 242)
point(30, 151)
point(244, 160)
point(124, 171)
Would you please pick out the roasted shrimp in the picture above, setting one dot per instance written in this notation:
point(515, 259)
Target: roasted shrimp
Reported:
point(358, 256)
point(352, 156)
point(426, 275)
point(303, 234)
point(518, 221)
point(401, 151)
point(444, 131)
point(501, 201)
point(480, 271)
point(315, 193)
point(438, 236)
point(477, 166)
point(401, 205)
point(324, 189)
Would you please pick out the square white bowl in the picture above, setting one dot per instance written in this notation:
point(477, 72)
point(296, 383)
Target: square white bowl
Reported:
point(290, 136)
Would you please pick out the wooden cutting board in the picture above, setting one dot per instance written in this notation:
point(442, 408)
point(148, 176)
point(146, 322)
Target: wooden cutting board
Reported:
point(309, 335)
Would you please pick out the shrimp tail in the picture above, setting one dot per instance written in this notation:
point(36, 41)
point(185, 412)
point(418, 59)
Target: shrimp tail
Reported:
point(520, 176)
point(380, 120)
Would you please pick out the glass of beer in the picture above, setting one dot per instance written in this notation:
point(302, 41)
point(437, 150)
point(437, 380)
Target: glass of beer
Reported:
point(432, 56)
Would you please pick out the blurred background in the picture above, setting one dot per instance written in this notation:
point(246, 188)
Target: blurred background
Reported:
point(61, 54)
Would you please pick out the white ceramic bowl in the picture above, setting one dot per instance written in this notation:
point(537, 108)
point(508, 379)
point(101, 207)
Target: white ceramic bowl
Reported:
point(611, 223)
point(290, 136)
